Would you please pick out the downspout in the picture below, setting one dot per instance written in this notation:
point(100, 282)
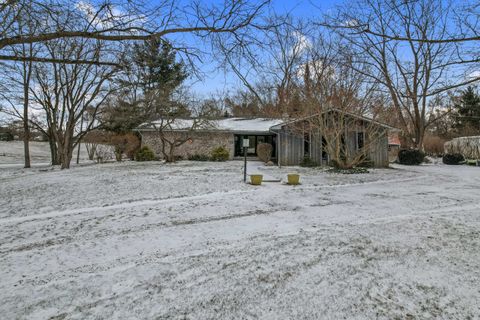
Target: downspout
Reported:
point(278, 150)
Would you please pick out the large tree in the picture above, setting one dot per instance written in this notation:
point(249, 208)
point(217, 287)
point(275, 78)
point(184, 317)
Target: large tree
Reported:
point(67, 92)
point(413, 73)
point(152, 79)
point(136, 20)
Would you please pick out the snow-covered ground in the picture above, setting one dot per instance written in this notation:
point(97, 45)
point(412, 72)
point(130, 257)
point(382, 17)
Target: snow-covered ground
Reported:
point(11, 153)
point(192, 241)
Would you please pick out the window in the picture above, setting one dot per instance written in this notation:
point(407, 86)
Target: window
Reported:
point(360, 140)
point(306, 145)
point(254, 140)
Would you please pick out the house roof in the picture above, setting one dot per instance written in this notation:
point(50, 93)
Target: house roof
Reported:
point(361, 117)
point(226, 124)
point(241, 125)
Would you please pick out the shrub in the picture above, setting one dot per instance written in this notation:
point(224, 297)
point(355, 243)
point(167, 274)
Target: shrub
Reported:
point(220, 154)
point(410, 157)
point(453, 158)
point(264, 151)
point(127, 143)
point(144, 154)
point(308, 162)
point(198, 157)
point(472, 162)
point(6, 136)
point(433, 145)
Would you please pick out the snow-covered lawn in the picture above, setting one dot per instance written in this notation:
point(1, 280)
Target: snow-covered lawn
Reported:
point(191, 240)
point(11, 153)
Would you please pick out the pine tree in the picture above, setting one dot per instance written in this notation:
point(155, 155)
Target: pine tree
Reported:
point(152, 74)
point(157, 68)
point(468, 110)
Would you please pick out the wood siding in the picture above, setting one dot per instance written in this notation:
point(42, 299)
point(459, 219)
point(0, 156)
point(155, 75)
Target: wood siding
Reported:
point(316, 148)
point(379, 152)
point(290, 149)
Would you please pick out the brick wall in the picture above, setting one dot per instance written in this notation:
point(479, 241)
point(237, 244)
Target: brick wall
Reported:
point(199, 143)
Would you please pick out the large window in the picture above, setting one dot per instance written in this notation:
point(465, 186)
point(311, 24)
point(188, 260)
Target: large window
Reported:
point(254, 140)
point(360, 140)
point(306, 144)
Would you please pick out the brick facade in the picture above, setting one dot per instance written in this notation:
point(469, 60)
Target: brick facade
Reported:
point(201, 143)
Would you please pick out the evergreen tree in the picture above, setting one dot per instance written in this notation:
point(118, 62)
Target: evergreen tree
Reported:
point(155, 63)
point(468, 110)
point(152, 74)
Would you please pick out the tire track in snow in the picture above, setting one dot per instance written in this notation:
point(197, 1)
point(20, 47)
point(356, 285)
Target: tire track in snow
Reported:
point(141, 228)
point(123, 205)
point(141, 203)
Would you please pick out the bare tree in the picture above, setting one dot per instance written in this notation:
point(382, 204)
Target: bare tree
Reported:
point(315, 78)
point(412, 72)
point(14, 91)
point(174, 121)
point(337, 104)
point(266, 62)
point(462, 32)
point(135, 20)
point(67, 92)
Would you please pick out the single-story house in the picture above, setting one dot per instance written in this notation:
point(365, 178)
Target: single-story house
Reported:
point(289, 146)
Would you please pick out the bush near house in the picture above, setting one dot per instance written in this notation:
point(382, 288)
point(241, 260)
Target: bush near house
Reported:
point(220, 154)
point(453, 158)
point(434, 145)
point(472, 162)
point(144, 154)
point(126, 143)
point(264, 151)
point(410, 157)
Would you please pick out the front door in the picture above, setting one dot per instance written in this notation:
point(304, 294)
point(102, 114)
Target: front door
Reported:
point(254, 141)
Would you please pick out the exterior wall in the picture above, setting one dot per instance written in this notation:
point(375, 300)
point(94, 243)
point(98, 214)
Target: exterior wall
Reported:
point(379, 152)
point(316, 148)
point(200, 143)
point(291, 148)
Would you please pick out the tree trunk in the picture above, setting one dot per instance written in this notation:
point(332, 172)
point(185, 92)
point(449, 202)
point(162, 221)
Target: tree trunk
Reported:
point(171, 155)
point(27, 73)
point(91, 148)
point(118, 154)
point(54, 151)
point(66, 155)
point(26, 138)
point(66, 148)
